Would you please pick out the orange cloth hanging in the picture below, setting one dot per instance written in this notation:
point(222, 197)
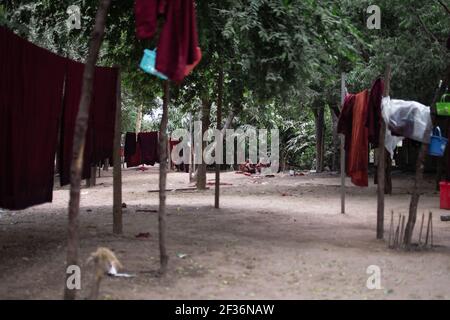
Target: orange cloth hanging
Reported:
point(358, 158)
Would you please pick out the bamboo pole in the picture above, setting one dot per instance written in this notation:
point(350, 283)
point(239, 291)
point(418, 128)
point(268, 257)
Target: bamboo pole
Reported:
point(191, 155)
point(391, 230)
point(79, 140)
point(421, 229)
point(164, 258)
point(428, 230)
point(117, 170)
point(415, 194)
point(402, 231)
point(342, 149)
point(219, 125)
point(397, 233)
point(381, 161)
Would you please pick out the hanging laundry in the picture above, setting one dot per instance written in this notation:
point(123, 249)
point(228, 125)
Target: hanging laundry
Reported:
point(31, 87)
point(72, 95)
point(130, 145)
point(390, 141)
point(146, 13)
point(178, 46)
point(345, 123)
point(407, 119)
point(132, 150)
point(104, 112)
point(352, 123)
point(100, 134)
point(374, 112)
point(149, 146)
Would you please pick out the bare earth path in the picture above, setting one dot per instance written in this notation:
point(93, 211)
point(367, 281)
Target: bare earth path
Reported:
point(274, 238)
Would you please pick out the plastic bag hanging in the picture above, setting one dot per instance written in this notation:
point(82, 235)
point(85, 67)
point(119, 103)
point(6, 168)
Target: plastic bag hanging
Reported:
point(148, 64)
point(443, 107)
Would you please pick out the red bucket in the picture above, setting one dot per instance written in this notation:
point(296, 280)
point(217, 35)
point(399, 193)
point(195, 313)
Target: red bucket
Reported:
point(445, 195)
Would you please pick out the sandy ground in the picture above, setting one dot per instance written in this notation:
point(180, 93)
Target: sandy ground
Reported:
point(273, 238)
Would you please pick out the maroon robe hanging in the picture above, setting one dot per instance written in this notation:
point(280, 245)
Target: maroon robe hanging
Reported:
point(72, 95)
point(31, 87)
point(100, 134)
point(178, 47)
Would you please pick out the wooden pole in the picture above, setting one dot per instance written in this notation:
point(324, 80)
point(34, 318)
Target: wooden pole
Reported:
point(191, 158)
point(428, 229)
point(381, 161)
point(391, 230)
point(421, 229)
point(397, 232)
point(79, 140)
point(164, 258)
point(415, 194)
point(219, 125)
point(342, 149)
point(402, 231)
point(169, 154)
point(117, 170)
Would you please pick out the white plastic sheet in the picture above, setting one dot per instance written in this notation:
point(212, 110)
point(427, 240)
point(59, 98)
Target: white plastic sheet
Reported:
point(408, 118)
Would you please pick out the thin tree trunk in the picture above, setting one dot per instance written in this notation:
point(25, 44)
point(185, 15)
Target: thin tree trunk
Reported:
point(191, 149)
point(382, 162)
point(80, 139)
point(139, 119)
point(164, 258)
point(201, 173)
point(415, 195)
point(320, 124)
point(388, 174)
point(117, 171)
point(219, 124)
point(336, 142)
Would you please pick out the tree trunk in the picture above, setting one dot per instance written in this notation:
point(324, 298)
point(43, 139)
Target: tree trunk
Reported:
point(336, 142)
point(219, 125)
point(381, 170)
point(415, 195)
point(139, 119)
point(117, 171)
point(320, 125)
point(201, 173)
point(388, 174)
point(191, 150)
point(80, 139)
point(164, 258)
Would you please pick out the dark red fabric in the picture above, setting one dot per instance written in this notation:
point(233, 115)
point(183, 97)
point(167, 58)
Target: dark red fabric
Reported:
point(352, 123)
point(131, 152)
point(178, 48)
point(148, 144)
point(345, 123)
point(146, 13)
point(135, 159)
point(104, 112)
point(374, 112)
point(100, 135)
point(72, 95)
point(31, 86)
point(130, 144)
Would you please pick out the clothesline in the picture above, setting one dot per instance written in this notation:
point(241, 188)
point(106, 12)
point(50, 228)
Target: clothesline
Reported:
point(39, 100)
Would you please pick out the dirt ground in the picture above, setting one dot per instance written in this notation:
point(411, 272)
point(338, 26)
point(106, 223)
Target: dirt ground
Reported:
point(273, 238)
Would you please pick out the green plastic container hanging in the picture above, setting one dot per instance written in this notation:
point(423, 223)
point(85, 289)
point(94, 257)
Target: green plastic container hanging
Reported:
point(443, 107)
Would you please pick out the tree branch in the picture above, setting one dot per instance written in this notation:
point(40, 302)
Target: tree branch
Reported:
point(445, 6)
point(425, 28)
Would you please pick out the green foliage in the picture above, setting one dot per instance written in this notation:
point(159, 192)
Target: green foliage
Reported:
point(281, 58)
